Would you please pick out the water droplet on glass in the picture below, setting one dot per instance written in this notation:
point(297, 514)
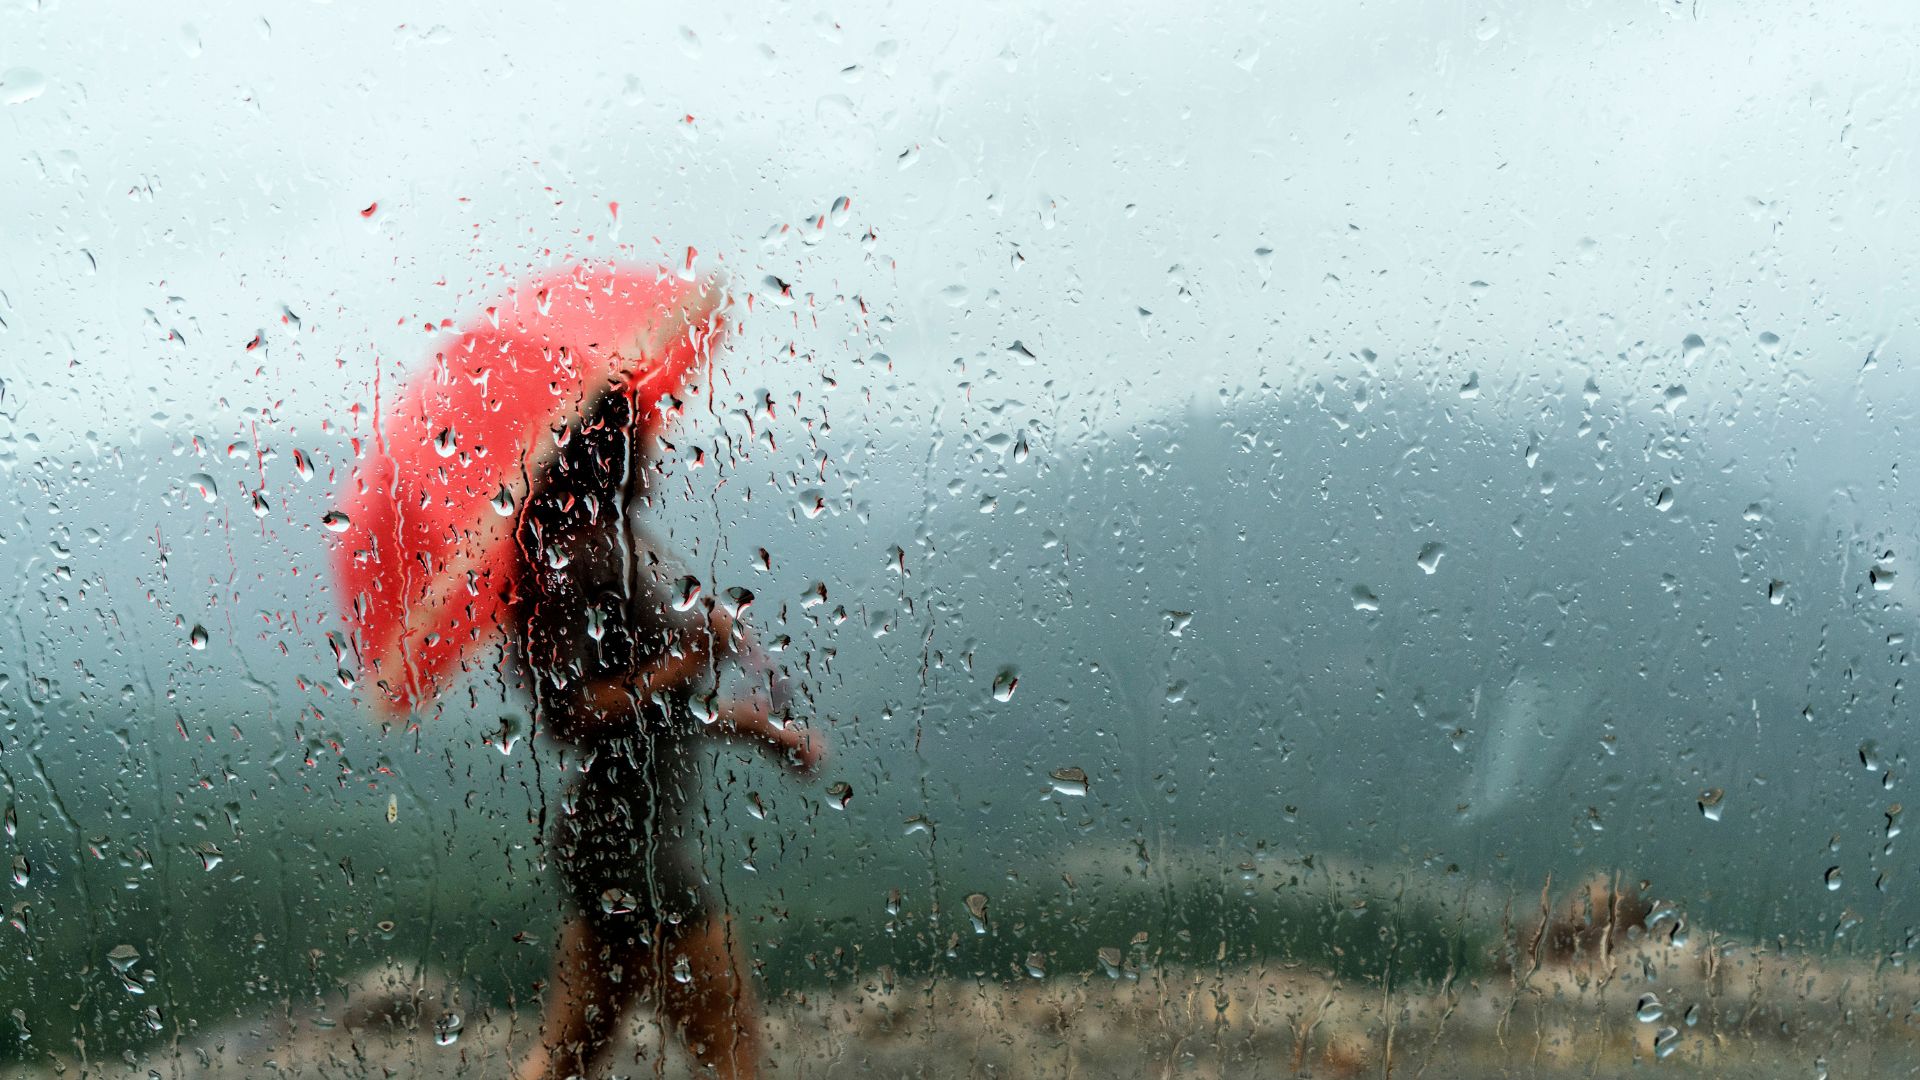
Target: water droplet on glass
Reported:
point(122, 958)
point(260, 504)
point(1776, 592)
point(22, 870)
point(20, 85)
point(842, 207)
point(1710, 801)
point(302, 465)
point(1429, 558)
point(616, 902)
point(1665, 1042)
point(197, 637)
point(839, 794)
point(502, 502)
point(1037, 965)
point(1663, 501)
point(1833, 879)
point(336, 521)
point(1870, 758)
point(446, 1030)
point(682, 970)
point(977, 911)
point(1004, 685)
point(1364, 599)
point(777, 292)
point(686, 593)
point(1070, 780)
point(446, 442)
point(204, 485)
point(1648, 1009)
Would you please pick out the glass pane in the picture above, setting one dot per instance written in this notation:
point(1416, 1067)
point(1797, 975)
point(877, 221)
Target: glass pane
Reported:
point(1052, 541)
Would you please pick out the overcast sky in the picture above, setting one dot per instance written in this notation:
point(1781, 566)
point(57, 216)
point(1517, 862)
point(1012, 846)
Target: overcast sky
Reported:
point(1465, 189)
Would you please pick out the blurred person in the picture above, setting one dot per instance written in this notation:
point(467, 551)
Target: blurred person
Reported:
point(617, 662)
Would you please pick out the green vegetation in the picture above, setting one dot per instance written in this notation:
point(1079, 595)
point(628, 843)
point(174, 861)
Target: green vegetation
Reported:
point(275, 922)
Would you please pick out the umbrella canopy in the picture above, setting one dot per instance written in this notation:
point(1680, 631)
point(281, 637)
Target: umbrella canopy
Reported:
point(427, 558)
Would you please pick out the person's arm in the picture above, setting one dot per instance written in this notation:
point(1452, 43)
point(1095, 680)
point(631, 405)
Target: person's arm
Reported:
point(799, 749)
point(610, 701)
point(752, 718)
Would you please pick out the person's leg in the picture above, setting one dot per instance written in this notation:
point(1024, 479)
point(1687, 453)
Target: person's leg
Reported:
point(585, 1002)
point(709, 999)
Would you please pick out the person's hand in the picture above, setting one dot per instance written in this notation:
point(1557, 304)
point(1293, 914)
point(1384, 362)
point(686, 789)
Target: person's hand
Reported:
point(802, 750)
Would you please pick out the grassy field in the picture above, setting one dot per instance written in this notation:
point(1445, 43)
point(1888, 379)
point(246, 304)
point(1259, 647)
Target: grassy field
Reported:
point(291, 963)
point(287, 932)
point(1709, 1010)
point(327, 920)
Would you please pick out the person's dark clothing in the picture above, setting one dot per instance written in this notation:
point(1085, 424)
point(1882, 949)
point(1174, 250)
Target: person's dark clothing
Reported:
point(592, 606)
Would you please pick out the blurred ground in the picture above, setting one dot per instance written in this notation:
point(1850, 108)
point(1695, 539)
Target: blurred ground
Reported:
point(1700, 1008)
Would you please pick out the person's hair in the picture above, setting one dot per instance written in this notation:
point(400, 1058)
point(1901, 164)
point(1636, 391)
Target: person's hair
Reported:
point(605, 456)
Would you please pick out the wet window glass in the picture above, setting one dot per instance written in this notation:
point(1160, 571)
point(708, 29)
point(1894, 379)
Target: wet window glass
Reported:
point(1042, 541)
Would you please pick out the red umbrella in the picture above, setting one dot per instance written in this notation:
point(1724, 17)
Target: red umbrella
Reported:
point(427, 558)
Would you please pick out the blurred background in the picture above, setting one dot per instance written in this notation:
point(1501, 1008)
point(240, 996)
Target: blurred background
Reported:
point(1271, 501)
